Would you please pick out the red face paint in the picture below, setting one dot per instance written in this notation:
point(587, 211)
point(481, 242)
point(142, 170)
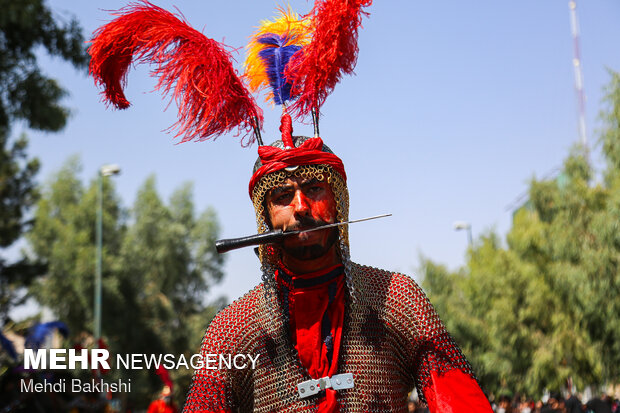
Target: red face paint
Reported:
point(303, 204)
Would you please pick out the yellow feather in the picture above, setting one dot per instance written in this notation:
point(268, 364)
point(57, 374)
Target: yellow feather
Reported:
point(288, 23)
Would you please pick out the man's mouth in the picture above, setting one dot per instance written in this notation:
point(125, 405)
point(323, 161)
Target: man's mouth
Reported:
point(306, 224)
point(306, 228)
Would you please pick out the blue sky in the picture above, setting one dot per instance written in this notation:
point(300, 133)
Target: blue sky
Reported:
point(454, 107)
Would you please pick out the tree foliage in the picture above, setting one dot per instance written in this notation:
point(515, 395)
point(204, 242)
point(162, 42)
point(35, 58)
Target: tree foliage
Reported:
point(17, 195)
point(545, 308)
point(63, 236)
point(26, 94)
point(158, 263)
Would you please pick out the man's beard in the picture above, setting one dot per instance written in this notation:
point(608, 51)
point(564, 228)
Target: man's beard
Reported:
point(313, 251)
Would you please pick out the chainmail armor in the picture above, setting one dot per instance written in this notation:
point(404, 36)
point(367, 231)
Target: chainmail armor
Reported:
point(392, 339)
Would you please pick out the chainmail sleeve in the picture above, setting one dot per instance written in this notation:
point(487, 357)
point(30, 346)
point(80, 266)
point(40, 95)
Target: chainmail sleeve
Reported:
point(436, 349)
point(397, 333)
point(443, 376)
point(211, 390)
point(218, 387)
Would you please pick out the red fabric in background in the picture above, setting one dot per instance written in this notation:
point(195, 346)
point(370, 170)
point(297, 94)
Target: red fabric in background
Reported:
point(160, 406)
point(455, 392)
point(308, 306)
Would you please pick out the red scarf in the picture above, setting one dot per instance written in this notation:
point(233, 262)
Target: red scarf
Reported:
point(316, 312)
point(308, 153)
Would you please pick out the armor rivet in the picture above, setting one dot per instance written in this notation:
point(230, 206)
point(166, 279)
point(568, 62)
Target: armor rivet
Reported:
point(349, 381)
point(337, 381)
point(302, 390)
point(311, 387)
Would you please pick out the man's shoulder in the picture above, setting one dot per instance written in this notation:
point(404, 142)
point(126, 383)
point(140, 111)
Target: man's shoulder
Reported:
point(231, 326)
point(398, 298)
point(377, 279)
point(394, 289)
point(244, 308)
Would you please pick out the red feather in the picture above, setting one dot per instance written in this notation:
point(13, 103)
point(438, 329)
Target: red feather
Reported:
point(317, 68)
point(196, 70)
point(164, 376)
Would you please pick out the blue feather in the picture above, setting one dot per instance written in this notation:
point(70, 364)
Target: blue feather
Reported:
point(276, 58)
point(8, 346)
point(39, 332)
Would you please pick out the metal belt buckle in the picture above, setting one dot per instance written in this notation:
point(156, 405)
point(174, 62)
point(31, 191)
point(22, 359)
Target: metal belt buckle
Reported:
point(342, 381)
point(313, 386)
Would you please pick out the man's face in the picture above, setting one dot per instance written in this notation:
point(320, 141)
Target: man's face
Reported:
point(300, 204)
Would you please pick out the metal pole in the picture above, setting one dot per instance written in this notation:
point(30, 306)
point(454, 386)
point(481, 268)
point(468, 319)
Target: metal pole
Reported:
point(105, 170)
point(97, 327)
point(581, 97)
point(459, 225)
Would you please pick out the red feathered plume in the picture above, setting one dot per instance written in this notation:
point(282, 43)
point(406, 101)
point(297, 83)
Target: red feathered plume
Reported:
point(197, 70)
point(317, 68)
point(164, 376)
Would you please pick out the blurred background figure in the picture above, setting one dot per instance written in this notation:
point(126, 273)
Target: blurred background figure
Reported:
point(504, 404)
point(555, 404)
point(414, 405)
point(164, 403)
point(600, 404)
point(573, 404)
point(526, 406)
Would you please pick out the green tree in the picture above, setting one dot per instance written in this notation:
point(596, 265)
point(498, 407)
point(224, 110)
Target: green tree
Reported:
point(159, 262)
point(27, 95)
point(168, 262)
point(63, 236)
point(17, 195)
point(545, 308)
point(600, 297)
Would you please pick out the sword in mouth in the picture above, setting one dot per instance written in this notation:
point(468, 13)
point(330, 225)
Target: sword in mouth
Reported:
point(277, 235)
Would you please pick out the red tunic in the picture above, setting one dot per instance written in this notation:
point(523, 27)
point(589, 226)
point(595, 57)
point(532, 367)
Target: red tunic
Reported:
point(316, 312)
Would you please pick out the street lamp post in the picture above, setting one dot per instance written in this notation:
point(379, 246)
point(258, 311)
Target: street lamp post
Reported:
point(105, 170)
point(459, 225)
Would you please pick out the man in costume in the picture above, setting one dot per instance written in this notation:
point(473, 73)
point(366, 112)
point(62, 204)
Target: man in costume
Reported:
point(319, 321)
point(328, 334)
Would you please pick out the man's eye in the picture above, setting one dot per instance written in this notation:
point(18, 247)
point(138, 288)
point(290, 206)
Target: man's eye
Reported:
point(282, 198)
point(315, 189)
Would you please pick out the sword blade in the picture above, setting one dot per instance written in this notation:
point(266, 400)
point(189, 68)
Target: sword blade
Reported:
point(276, 236)
point(336, 224)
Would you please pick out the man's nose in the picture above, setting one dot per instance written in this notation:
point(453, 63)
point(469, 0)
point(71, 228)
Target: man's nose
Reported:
point(300, 202)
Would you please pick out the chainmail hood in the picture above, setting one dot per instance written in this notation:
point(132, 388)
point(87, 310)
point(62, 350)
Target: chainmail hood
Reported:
point(269, 255)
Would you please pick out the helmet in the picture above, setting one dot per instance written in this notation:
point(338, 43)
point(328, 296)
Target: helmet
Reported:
point(307, 158)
